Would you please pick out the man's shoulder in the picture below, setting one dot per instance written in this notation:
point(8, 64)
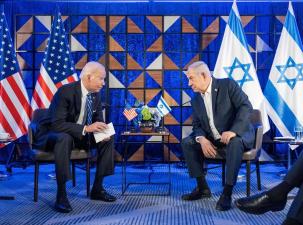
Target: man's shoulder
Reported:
point(69, 86)
point(226, 83)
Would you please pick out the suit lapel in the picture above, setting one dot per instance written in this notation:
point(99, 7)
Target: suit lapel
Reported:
point(201, 108)
point(78, 97)
point(214, 94)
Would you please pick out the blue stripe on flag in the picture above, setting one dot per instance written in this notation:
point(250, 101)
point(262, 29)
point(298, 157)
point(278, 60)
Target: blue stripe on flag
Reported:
point(165, 105)
point(236, 26)
point(284, 112)
point(292, 28)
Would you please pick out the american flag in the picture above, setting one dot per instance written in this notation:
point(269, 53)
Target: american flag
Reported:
point(15, 109)
point(57, 67)
point(130, 113)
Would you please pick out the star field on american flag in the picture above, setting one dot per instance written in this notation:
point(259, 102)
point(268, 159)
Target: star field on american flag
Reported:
point(57, 67)
point(8, 59)
point(57, 60)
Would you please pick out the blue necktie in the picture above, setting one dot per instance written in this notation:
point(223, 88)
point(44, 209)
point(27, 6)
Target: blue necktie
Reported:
point(89, 109)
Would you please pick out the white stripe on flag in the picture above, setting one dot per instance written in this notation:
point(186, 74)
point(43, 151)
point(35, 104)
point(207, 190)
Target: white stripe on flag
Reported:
point(10, 118)
point(48, 80)
point(12, 95)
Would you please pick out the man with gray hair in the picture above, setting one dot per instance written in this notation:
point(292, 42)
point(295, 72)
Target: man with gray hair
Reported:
point(75, 111)
point(221, 112)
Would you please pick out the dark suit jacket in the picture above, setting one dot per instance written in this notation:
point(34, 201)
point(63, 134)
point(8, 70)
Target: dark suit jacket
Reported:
point(231, 110)
point(64, 111)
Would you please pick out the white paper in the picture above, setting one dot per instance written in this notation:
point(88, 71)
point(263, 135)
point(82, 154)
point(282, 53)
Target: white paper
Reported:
point(100, 136)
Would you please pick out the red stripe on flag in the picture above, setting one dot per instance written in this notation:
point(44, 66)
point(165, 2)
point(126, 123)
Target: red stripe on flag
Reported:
point(14, 112)
point(38, 100)
point(59, 84)
point(6, 125)
point(45, 88)
point(71, 79)
point(18, 92)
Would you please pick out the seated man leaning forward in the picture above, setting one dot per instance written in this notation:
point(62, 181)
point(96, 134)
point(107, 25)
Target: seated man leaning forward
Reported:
point(75, 111)
point(221, 112)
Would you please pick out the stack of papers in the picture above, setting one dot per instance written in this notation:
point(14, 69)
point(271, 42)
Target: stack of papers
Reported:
point(100, 136)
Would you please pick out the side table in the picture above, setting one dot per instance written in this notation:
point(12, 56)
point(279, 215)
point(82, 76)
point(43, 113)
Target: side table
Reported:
point(125, 136)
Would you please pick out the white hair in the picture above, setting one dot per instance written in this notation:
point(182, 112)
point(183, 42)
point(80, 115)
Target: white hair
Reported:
point(200, 67)
point(91, 67)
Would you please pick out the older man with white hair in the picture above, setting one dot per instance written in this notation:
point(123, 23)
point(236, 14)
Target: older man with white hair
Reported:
point(76, 111)
point(221, 112)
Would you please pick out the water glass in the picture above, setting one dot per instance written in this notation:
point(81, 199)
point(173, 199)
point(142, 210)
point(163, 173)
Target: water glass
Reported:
point(298, 133)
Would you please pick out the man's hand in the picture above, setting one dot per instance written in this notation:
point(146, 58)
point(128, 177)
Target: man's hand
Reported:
point(227, 136)
point(95, 127)
point(209, 150)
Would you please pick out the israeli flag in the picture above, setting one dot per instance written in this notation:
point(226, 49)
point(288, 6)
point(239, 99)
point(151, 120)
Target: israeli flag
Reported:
point(234, 61)
point(163, 107)
point(285, 83)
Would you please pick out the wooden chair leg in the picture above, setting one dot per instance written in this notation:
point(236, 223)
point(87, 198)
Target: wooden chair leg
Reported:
point(36, 181)
point(88, 177)
point(223, 173)
point(73, 174)
point(258, 174)
point(248, 178)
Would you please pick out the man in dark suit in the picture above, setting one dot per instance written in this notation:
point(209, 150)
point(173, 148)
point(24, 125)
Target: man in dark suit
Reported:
point(74, 114)
point(221, 112)
point(275, 199)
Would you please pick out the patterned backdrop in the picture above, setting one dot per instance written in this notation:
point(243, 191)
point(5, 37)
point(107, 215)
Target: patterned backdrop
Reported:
point(146, 56)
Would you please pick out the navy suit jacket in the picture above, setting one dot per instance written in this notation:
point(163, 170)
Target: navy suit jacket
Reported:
point(231, 111)
point(64, 111)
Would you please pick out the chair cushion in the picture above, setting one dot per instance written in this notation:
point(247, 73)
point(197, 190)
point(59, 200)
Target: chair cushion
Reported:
point(250, 155)
point(77, 154)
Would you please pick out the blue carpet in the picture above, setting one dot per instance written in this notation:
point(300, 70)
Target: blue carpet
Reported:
point(134, 210)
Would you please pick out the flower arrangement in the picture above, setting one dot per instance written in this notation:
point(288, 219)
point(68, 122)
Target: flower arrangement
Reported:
point(148, 118)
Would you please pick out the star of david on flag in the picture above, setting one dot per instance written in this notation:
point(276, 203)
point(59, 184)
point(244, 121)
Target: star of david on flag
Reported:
point(15, 109)
point(294, 76)
point(163, 107)
point(234, 61)
point(57, 67)
point(232, 73)
point(284, 87)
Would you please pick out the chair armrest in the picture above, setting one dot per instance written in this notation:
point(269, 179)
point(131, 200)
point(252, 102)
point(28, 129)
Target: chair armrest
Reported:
point(259, 137)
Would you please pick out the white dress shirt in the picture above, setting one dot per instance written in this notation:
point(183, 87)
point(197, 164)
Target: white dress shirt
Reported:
point(84, 93)
point(209, 110)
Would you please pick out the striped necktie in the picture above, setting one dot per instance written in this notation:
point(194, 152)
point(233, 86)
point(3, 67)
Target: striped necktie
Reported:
point(89, 109)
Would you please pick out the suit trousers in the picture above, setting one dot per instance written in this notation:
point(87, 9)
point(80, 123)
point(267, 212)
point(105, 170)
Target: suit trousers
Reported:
point(62, 144)
point(232, 152)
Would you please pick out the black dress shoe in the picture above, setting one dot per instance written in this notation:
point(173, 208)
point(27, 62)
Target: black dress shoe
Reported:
point(259, 204)
point(197, 194)
point(62, 205)
point(103, 196)
point(291, 221)
point(224, 203)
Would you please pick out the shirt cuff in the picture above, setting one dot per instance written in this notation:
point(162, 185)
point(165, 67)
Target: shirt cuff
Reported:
point(83, 131)
point(197, 139)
